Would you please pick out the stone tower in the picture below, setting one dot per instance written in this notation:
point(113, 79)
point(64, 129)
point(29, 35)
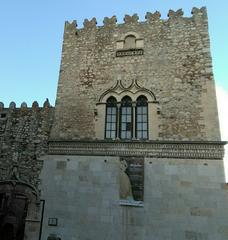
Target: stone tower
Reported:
point(134, 151)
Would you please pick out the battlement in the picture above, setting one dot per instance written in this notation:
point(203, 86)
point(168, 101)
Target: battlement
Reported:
point(24, 106)
point(198, 14)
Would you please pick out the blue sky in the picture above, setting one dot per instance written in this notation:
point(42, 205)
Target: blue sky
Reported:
point(31, 39)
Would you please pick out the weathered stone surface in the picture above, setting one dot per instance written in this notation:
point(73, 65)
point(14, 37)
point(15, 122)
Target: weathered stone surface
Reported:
point(89, 185)
point(90, 23)
point(175, 14)
point(175, 65)
point(110, 21)
point(23, 139)
point(153, 16)
point(131, 19)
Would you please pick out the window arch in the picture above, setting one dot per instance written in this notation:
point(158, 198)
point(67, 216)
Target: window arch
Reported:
point(126, 126)
point(141, 118)
point(111, 118)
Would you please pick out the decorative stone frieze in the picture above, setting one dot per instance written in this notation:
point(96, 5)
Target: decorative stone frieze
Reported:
point(169, 149)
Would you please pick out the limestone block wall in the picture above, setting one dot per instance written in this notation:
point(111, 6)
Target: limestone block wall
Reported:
point(183, 199)
point(24, 134)
point(175, 65)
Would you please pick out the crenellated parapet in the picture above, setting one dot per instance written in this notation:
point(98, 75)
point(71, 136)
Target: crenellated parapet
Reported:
point(152, 17)
point(199, 11)
point(24, 106)
point(175, 14)
point(69, 27)
point(90, 24)
point(110, 21)
point(1, 105)
point(197, 14)
point(131, 19)
point(24, 133)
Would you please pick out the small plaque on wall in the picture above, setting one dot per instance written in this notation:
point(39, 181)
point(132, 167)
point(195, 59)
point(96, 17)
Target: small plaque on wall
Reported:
point(52, 222)
point(131, 179)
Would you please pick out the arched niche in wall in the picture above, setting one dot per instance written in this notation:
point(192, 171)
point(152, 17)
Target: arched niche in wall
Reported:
point(19, 208)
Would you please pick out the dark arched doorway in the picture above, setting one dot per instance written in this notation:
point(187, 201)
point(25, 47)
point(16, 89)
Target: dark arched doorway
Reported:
point(13, 212)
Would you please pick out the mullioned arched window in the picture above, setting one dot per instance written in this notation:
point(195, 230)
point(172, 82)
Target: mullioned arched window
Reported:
point(127, 113)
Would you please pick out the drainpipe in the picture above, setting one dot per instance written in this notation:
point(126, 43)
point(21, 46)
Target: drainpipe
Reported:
point(42, 218)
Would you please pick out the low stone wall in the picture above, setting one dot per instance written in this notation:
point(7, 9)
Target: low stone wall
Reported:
point(24, 134)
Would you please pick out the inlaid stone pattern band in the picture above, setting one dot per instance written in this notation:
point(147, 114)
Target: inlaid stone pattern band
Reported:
point(186, 150)
point(130, 52)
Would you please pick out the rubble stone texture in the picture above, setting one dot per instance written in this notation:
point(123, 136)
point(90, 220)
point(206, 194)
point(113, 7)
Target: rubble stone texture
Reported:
point(176, 66)
point(24, 134)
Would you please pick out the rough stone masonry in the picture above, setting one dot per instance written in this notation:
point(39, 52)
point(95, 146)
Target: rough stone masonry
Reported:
point(176, 66)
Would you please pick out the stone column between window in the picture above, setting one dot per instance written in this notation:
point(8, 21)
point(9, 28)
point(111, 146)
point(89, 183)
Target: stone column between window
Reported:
point(118, 121)
point(133, 120)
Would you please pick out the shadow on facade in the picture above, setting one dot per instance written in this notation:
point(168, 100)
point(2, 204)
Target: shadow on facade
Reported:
point(16, 200)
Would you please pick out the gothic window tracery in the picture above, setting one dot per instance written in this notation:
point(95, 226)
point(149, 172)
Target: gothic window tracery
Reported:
point(126, 113)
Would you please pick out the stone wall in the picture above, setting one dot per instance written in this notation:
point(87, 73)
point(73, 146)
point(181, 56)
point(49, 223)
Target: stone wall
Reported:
point(24, 134)
point(175, 65)
point(184, 199)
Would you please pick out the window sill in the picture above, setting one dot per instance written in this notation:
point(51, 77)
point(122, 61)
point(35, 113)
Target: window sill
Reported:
point(131, 203)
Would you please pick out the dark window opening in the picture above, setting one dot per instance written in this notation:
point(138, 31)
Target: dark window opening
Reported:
point(3, 115)
point(2, 195)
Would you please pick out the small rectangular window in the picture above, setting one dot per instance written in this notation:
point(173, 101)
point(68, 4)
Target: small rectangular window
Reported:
point(1, 200)
point(3, 115)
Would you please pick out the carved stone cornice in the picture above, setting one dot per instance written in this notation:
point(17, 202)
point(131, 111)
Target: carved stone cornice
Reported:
point(159, 149)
